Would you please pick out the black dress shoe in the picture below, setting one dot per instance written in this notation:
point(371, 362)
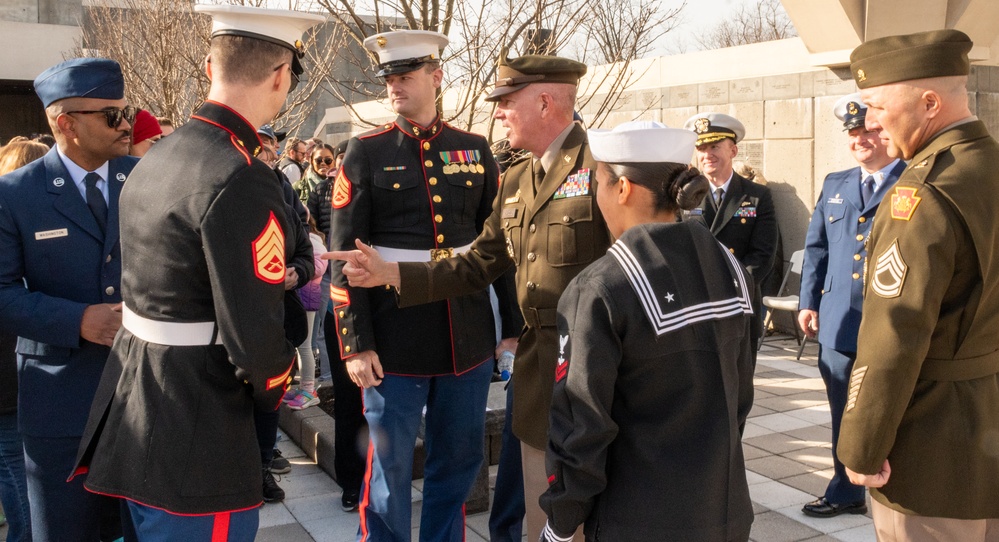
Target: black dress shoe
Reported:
point(272, 492)
point(821, 508)
point(348, 502)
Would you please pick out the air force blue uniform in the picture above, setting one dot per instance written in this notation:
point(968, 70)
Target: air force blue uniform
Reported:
point(832, 283)
point(56, 262)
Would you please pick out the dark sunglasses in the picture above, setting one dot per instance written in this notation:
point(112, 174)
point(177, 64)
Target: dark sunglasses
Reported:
point(294, 77)
point(327, 161)
point(113, 116)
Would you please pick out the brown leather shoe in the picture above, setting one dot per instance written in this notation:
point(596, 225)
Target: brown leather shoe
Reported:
point(821, 508)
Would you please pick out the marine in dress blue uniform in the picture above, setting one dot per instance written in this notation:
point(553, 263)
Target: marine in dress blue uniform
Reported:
point(61, 267)
point(417, 189)
point(654, 376)
point(832, 285)
point(205, 257)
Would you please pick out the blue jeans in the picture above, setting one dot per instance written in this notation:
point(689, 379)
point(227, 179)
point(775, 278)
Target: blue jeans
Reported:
point(454, 440)
point(13, 483)
point(318, 333)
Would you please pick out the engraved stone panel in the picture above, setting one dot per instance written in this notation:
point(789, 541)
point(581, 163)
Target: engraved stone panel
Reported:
point(674, 117)
point(837, 82)
point(778, 87)
point(712, 93)
point(683, 96)
point(19, 11)
point(654, 98)
point(746, 90)
point(750, 114)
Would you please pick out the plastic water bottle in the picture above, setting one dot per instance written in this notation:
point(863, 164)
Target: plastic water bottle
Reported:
point(505, 364)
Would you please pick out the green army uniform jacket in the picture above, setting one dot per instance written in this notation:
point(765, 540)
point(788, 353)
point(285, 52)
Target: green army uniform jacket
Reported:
point(550, 235)
point(924, 392)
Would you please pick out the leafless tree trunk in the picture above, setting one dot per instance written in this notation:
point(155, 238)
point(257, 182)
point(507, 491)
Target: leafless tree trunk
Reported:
point(161, 46)
point(764, 21)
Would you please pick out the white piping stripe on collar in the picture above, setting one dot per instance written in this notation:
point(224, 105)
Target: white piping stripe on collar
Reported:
point(663, 323)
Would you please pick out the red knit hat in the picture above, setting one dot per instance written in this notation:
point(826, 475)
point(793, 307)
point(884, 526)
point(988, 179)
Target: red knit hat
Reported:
point(145, 126)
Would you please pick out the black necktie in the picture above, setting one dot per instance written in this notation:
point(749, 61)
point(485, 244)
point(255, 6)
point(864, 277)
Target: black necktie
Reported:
point(719, 194)
point(95, 200)
point(539, 176)
point(866, 190)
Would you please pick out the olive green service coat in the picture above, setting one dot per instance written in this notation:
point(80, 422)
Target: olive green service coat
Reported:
point(550, 235)
point(925, 388)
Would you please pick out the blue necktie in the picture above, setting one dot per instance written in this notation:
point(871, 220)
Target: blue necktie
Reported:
point(866, 190)
point(95, 200)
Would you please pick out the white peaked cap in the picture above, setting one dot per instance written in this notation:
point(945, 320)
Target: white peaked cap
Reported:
point(401, 51)
point(642, 141)
point(281, 26)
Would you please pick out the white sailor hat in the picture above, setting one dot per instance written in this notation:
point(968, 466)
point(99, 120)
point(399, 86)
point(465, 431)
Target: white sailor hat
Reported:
point(641, 141)
point(402, 51)
point(851, 110)
point(711, 127)
point(280, 26)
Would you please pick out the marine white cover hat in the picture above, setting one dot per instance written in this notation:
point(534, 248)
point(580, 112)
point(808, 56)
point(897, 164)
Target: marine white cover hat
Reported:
point(641, 141)
point(403, 51)
point(281, 26)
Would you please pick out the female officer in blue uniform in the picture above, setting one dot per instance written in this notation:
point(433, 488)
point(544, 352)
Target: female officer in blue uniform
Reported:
point(654, 373)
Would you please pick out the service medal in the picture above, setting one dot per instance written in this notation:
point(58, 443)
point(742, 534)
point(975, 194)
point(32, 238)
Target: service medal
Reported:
point(464, 168)
point(479, 168)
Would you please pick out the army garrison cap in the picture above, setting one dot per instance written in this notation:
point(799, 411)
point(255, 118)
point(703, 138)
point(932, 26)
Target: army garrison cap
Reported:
point(937, 53)
point(403, 51)
point(851, 110)
point(278, 26)
point(711, 127)
point(513, 75)
point(81, 78)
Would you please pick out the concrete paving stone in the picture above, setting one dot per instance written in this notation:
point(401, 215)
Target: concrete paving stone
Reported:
point(274, 514)
point(841, 522)
point(778, 443)
point(752, 452)
point(759, 509)
point(773, 363)
point(806, 371)
point(332, 530)
point(776, 374)
point(776, 467)
point(753, 478)
point(795, 385)
point(864, 533)
point(760, 394)
point(815, 435)
point(775, 495)
point(284, 533)
point(777, 387)
point(816, 457)
point(816, 415)
point(780, 422)
point(822, 538)
point(759, 411)
point(814, 483)
point(783, 403)
point(752, 430)
point(310, 507)
point(316, 483)
point(774, 527)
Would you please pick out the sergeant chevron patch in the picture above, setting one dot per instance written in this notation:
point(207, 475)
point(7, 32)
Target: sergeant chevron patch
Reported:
point(268, 253)
point(889, 272)
point(341, 191)
point(856, 379)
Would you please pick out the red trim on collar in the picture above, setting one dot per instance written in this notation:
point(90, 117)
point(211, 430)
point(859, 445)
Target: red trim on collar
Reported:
point(232, 137)
point(241, 117)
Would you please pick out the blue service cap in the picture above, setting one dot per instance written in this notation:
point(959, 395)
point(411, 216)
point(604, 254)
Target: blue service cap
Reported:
point(81, 78)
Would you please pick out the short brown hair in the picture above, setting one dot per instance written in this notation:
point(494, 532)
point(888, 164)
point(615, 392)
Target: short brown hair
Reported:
point(164, 121)
point(230, 55)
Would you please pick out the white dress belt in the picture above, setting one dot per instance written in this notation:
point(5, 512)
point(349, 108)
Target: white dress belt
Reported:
point(169, 333)
point(426, 255)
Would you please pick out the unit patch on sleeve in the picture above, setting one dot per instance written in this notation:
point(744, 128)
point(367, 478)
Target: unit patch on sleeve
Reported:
point(889, 272)
point(562, 367)
point(903, 203)
point(341, 191)
point(268, 253)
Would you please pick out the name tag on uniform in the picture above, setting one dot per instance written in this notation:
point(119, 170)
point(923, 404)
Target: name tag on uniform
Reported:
point(836, 201)
point(509, 212)
point(695, 212)
point(51, 234)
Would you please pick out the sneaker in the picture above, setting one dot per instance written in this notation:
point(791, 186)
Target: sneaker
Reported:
point(280, 465)
point(272, 493)
point(303, 400)
point(348, 502)
point(289, 396)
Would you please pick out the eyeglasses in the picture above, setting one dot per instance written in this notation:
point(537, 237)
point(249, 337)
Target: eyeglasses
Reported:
point(114, 116)
point(327, 161)
point(294, 76)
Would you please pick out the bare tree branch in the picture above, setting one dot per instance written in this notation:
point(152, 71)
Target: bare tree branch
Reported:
point(764, 21)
